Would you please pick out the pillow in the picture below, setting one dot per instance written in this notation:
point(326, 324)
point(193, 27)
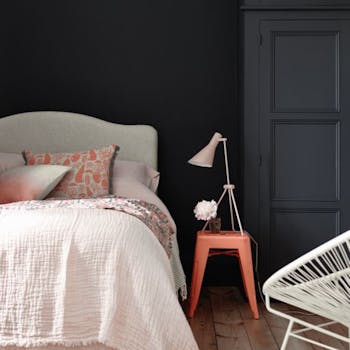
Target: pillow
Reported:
point(136, 190)
point(136, 171)
point(90, 173)
point(10, 160)
point(29, 182)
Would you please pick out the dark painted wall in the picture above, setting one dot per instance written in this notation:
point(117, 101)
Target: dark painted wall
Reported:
point(295, 4)
point(171, 64)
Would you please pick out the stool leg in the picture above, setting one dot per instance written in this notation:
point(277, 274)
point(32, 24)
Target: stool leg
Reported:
point(245, 256)
point(242, 272)
point(199, 263)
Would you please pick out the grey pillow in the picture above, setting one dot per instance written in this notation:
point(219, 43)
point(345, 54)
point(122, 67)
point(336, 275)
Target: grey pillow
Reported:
point(133, 171)
point(10, 160)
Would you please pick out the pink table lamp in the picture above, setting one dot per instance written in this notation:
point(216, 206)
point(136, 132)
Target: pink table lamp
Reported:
point(205, 158)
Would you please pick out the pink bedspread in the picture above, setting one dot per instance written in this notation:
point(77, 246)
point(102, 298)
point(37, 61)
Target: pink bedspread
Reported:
point(148, 213)
point(72, 274)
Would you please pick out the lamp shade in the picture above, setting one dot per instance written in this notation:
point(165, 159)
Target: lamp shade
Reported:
point(205, 156)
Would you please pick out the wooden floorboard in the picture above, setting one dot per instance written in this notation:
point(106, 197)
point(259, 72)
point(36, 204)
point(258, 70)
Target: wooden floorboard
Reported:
point(202, 324)
point(278, 328)
point(228, 324)
point(322, 338)
point(223, 321)
point(259, 332)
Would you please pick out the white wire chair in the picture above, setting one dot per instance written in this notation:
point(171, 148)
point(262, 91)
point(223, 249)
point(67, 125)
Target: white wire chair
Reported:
point(318, 282)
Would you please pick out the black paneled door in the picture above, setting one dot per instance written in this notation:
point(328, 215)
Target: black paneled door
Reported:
point(304, 135)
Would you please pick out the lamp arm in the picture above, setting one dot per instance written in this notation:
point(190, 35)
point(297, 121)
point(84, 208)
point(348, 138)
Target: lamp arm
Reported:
point(223, 140)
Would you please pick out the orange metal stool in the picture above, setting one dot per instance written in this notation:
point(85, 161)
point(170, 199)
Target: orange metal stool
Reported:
point(230, 243)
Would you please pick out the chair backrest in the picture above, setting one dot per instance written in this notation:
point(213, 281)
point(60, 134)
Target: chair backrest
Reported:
point(318, 282)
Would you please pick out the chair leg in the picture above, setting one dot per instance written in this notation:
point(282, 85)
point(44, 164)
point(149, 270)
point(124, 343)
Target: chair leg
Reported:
point(286, 337)
point(245, 257)
point(200, 261)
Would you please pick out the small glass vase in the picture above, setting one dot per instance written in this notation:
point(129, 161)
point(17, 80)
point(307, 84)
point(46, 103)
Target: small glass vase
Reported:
point(215, 225)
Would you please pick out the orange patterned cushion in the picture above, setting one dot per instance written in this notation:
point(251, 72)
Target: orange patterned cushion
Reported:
point(90, 174)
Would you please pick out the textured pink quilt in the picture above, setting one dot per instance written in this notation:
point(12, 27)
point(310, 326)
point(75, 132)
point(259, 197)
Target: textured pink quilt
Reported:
point(148, 213)
point(75, 274)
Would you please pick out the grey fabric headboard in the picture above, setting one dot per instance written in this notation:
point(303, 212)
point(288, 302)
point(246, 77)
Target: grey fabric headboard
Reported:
point(64, 132)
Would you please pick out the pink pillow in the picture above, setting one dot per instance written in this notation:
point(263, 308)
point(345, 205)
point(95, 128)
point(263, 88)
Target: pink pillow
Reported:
point(135, 172)
point(29, 182)
point(90, 173)
point(10, 160)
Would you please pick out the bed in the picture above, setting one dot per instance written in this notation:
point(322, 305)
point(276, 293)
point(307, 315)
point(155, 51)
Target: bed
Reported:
point(81, 274)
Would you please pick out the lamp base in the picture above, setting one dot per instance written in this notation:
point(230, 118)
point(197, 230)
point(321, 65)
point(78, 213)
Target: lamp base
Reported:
point(228, 188)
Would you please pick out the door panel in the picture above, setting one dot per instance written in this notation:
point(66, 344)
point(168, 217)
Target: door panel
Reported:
point(301, 150)
point(304, 135)
point(312, 56)
point(296, 231)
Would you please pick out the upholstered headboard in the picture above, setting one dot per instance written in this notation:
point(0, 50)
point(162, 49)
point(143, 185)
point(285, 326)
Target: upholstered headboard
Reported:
point(64, 132)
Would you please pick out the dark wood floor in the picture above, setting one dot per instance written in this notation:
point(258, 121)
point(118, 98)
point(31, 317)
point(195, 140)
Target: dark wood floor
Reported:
point(223, 321)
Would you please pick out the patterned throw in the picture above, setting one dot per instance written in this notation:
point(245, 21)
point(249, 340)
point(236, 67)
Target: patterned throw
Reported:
point(148, 213)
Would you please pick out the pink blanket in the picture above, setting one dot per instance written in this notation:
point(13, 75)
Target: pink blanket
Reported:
point(72, 274)
point(148, 213)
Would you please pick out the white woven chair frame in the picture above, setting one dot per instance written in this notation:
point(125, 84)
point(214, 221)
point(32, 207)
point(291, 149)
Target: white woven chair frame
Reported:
point(318, 282)
point(307, 327)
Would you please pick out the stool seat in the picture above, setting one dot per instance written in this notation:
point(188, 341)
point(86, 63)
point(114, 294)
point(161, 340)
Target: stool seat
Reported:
point(231, 243)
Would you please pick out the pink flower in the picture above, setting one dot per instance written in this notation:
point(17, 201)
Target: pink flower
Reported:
point(205, 210)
